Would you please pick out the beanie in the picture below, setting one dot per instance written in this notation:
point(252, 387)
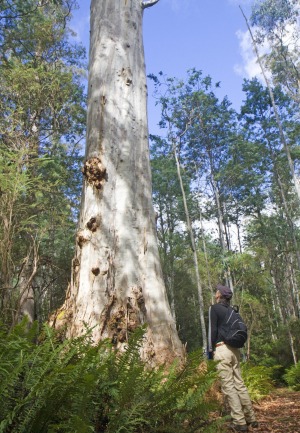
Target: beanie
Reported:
point(225, 291)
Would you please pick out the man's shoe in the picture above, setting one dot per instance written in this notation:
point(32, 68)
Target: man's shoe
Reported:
point(237, 427)
point(253, 424)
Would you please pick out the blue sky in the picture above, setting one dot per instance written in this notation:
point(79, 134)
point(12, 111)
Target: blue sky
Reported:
point(209, 35)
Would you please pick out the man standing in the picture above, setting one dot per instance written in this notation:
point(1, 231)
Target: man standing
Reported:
point(228, 365)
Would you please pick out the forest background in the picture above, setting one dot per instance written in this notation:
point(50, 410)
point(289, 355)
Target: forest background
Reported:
point(237, 168)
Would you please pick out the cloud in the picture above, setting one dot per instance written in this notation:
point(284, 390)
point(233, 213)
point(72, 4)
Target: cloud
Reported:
point(249, 68)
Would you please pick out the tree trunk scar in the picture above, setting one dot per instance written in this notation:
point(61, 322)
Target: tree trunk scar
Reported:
point(106, 313)
point(81, 240)
point(126, 75)
point(96, 271)
point(110, 286)
point(74, 273)
point(93, 223)
point(95, 172)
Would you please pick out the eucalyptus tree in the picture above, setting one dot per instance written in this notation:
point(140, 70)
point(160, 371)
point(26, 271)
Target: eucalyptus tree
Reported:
point(277, 23)
point(179, 113)
point(198, 129)
point(283, 259)
point(41, 122)
point(167, 201)
point(243, 178)
point(174, 242)
point(283, 137)
point(261, 129)
point(211, 130)
point(267, 237)
point(117, 282)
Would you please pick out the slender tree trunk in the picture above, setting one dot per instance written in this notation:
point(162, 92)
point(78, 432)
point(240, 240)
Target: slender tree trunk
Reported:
point(219, 211)
point(278, 121)
point(295, 359)
point(226, 228)
point(117, 282)
point(204, 242)
point(274, 337)
point(206, 256)
point(239, 236)
point(250, 329)
point(193, 244)
point(285, 322)
point(286, 210)
point(294, 285)
point(228, 276)
point(292, 289)
point(277, 297)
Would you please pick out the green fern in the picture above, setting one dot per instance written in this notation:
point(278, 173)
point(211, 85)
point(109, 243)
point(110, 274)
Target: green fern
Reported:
point(156, 401)
point(258, 380)
point(292, 377)
point(47, 382)
point(49, 386)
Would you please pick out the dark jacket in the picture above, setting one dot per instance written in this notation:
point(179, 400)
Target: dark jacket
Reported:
point(217, 314)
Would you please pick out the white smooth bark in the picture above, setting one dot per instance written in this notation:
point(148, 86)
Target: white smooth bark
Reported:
point(117, 282)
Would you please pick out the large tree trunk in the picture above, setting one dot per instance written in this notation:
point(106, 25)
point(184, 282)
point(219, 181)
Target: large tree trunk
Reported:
point(117, 282)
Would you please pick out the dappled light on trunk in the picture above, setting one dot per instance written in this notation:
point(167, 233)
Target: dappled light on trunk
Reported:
point(117, 283)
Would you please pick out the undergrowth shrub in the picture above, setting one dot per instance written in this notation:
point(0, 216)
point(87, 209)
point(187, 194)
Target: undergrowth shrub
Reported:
point(50, 386)
point(292, 377)
point(258, 379)
point(47, 385)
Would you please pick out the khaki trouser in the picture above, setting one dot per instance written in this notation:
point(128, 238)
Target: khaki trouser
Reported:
point(232, 384)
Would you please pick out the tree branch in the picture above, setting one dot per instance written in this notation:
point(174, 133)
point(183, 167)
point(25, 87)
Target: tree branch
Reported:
point(149, 3)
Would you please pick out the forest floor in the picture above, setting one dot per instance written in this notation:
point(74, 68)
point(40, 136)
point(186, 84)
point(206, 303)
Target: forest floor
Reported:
point(279, 413)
